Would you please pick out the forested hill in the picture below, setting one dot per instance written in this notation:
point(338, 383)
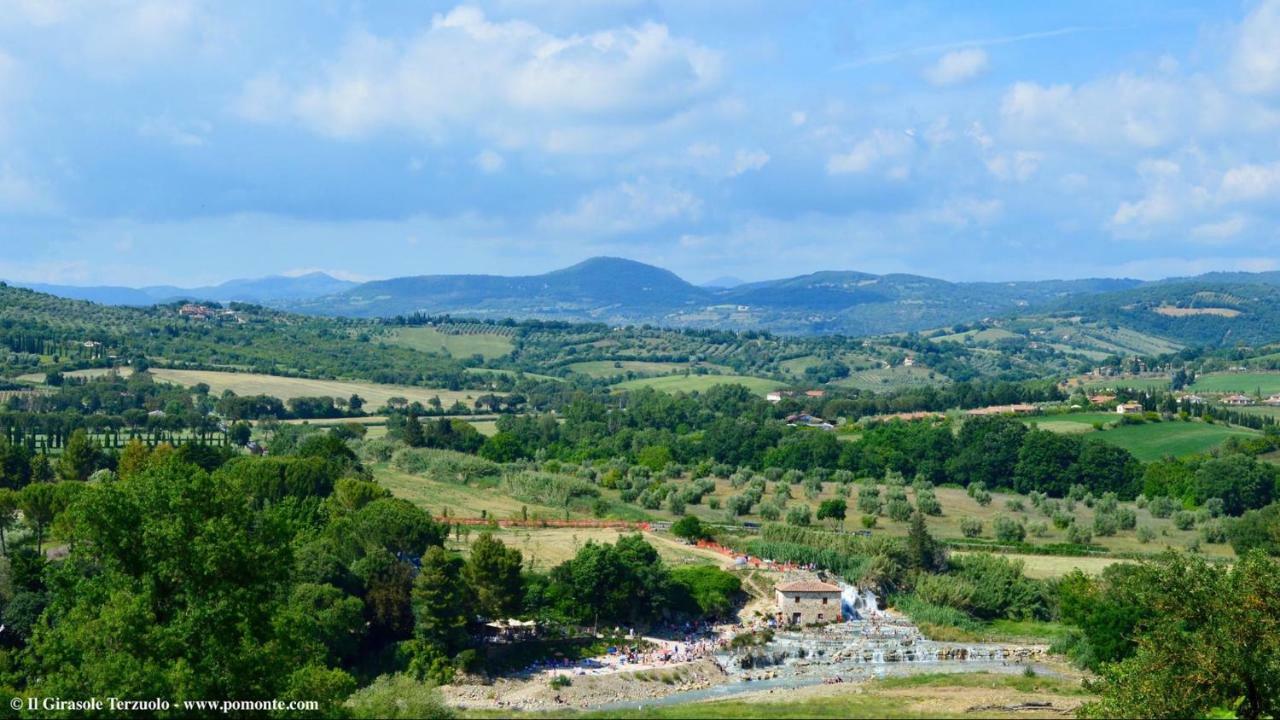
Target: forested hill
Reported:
point(1192, 312)
point(618, 291)
point(1208, 310)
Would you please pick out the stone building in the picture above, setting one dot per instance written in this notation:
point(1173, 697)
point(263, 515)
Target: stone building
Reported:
point(808, 602)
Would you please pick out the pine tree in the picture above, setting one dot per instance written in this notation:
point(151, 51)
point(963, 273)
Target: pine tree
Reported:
point(923, 552)
point(413, 434)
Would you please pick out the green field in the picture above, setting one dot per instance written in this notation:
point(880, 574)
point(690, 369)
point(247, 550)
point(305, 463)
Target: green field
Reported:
point(1153, 441)
point(1148, 441)
point(983, 335)
point(699, 383)
point(611, 368)
point(1267, 383)
point(888, 379)
point(1136, 383)
point(375, 394)
point(459, 345)
point(1073, 422)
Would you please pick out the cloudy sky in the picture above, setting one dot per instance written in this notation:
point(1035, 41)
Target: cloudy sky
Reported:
point(181, 141)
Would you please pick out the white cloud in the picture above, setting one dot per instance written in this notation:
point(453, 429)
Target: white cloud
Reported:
point(626, 207)
point(799, 118)
point(1128, 109)
point(1251, 182)
point(1255, 63)
point(957, 66)
point(748, 160)
point(1019, 165)
point(489, 161)
point(1220, 230)
point(1168, 197)
point(880, 145)
point(511, 80)
point(105, 35)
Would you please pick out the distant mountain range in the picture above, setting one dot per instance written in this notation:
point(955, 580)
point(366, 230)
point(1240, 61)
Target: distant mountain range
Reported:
point(267, 291)
point(1209, 309)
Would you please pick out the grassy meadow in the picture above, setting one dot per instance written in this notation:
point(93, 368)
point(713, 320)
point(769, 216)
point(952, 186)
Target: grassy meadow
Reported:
point(1147, 441)
point(375, 394)
point(611, 368)
point(699, 383)
point(490, 345)
point(1267, 383)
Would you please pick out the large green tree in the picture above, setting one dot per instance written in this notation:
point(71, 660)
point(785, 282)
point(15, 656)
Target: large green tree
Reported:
point(492, 572)
point(1211, 641)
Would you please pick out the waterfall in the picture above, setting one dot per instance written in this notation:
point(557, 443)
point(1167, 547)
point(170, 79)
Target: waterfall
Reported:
point(848, 601)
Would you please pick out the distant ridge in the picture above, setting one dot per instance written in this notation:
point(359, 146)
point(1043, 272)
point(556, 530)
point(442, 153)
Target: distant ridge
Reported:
point(1210, 309)
point(266, 290)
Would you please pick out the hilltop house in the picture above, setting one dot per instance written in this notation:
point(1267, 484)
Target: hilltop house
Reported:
point(807, 602)
point(1102, 399)
point(1019, 409)
point(1273, 400)
point(807, 420)
point(1129, 408)
point(1237, 400)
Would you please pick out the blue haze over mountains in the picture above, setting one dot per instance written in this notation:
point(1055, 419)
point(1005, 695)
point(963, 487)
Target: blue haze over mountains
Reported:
point(619, 291)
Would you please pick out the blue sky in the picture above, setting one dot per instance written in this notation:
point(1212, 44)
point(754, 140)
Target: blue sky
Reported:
point(180, 141)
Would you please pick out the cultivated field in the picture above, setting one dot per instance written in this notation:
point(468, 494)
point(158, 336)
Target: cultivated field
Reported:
point(610, 368)
point(1153, 441)
point(544, 548)
point(1148, 441)
point(374, 394)
point(1267, 383)
point(1051, 566)
point(888, 379)
point(699, 383)
point(462, 344)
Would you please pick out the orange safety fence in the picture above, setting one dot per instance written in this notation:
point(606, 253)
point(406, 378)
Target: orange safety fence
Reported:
point(511, 522)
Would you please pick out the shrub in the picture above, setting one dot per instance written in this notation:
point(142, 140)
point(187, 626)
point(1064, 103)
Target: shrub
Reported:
point(1079, 535)
point(1105, 524)
point(1162, 507)
point(398, 696)
point(690, 528)
point(1061, 520)
point(982, 497)
point(899, 510)
point(1009, 530)
point(928, 503)
point(769, 511)
point(869, 521)
point(1146, 534)
point(446, 466)
point(1184, 520)
point(799, 516)
point(1215, 506)
point(1015, 505)
point(945, 590)
point(869, 500)
point(970, 527)
point(560, 682)
point(1126, 518)
point(1038, 529)
point(975, 488)
point(1213, 532)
